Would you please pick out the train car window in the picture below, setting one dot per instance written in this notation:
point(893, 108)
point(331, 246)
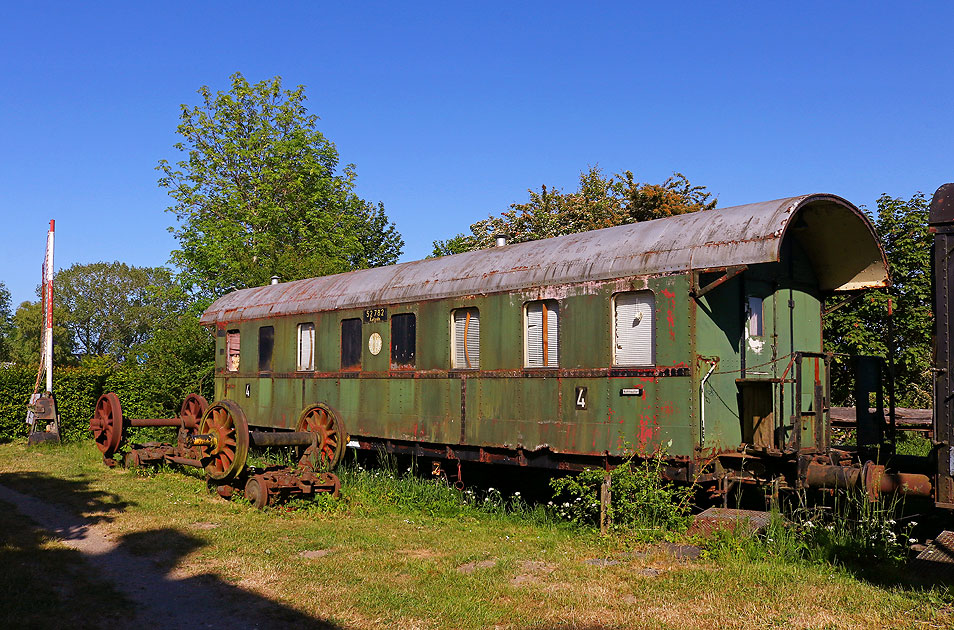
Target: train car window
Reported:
point(465, 354)
point(542, 346)
point(306, 347)
point(350, 344)
point(634, 328)
point(403, 340)
point(232, 339)
point(266, 343)
point(753, 309)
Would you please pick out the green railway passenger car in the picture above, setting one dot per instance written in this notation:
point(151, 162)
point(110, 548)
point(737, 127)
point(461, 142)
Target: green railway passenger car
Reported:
point(697, 336)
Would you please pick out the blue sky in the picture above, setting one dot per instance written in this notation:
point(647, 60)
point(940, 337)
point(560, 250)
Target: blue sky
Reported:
point(451, 111)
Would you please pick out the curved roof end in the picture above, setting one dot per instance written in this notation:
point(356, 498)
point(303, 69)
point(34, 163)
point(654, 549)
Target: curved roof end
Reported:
point(841, 242)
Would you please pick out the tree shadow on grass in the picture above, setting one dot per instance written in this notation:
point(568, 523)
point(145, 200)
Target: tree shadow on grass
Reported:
point(95, 582)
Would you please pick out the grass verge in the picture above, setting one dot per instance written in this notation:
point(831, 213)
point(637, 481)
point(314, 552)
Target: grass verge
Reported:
point(398, 552)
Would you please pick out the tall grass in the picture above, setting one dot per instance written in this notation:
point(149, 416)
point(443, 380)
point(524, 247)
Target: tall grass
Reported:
point(846, 529)
point(383, 484)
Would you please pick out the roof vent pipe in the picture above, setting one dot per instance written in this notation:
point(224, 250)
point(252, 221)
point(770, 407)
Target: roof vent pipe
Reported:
point(275, 280)
point(500, 240)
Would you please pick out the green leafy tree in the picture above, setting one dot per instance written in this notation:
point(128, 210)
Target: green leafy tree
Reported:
point(6, 323)
point(259, 193)
point(178, 358)
point(600, 201)
point(863, 326)
point(110, 308)
point(25, 337)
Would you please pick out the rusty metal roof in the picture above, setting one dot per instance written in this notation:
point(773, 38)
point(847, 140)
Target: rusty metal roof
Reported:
point(837, 237)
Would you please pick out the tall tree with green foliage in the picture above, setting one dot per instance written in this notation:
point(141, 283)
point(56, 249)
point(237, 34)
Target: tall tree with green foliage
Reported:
point(863, 326)
point(6, 322)
point(112, 307)
point(178, 358)
point(259, 193)
point(600, 201)
point(26, 330)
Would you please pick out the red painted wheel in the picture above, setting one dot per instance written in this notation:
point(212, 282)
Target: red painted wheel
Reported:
point(224, 459)
point(107, 424)
point(331, 437)
point(193, 408)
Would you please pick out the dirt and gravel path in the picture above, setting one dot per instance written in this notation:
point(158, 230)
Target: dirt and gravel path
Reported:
point(169, 600)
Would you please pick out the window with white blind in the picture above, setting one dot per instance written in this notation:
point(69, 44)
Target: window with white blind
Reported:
point(306, 347)
point(232, 350)
point(634, 328)
point(753, 309)
point(466, 339)
point(542, 319)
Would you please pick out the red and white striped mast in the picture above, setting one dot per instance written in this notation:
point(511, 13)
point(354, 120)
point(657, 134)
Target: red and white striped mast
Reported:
point(42, 416)
point(47, 359)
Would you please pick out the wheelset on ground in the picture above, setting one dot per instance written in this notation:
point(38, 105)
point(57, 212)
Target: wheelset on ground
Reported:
point(108, 426)
point(320, 439)
point(217, 438)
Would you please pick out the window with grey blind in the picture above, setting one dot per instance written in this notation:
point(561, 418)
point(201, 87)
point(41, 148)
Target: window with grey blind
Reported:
point(306, 347)
point(466, 339)
point(542, 320)
point(634, 328)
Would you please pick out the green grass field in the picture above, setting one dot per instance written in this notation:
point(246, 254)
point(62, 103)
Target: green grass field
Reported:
point(406, 553)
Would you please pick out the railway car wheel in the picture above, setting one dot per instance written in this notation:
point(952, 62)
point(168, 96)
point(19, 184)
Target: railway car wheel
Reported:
point(131, 460)
point(224, 458)
point(190, 415)
point(329, 446)
point(107, 424)
point(256, 491)
point(193, 408)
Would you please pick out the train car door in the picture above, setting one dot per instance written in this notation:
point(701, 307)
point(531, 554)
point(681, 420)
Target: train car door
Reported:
point(758, 384)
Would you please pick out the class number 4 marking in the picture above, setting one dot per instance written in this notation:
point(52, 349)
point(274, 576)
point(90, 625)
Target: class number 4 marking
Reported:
point(248, 390)
point(581, 398)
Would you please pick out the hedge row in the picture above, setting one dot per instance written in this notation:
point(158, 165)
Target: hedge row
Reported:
point(142, 395)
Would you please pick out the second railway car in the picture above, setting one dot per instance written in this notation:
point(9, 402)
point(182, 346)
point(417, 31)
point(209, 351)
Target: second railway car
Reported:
point(697, 336)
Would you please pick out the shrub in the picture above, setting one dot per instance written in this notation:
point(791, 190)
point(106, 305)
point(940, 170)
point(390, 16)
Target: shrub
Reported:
point(641, 498)
point(143, 393)
point(76, 390)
